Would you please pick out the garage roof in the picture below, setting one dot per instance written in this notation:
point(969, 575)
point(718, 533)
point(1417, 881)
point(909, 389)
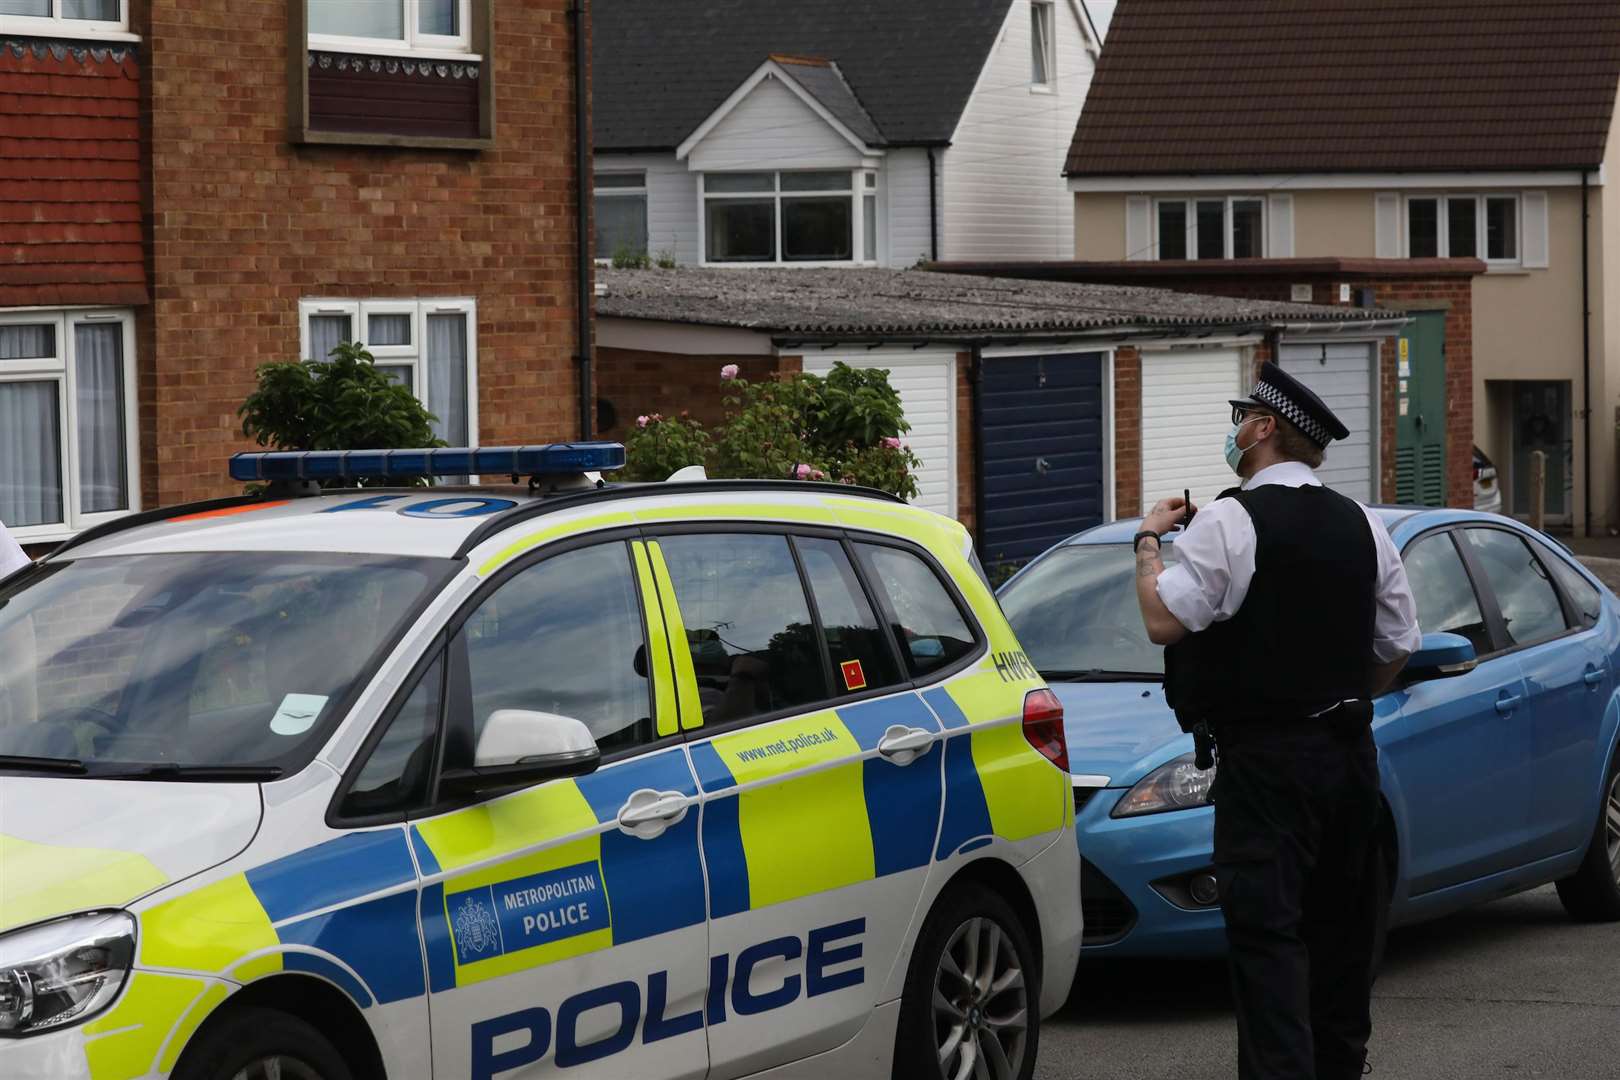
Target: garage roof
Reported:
point(1269, 86)
point(913, 303)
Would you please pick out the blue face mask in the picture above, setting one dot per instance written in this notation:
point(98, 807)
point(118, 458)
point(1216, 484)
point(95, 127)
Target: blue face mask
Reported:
point(1234, 456)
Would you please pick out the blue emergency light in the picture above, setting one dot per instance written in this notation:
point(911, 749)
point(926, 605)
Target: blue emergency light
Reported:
point(316, 465)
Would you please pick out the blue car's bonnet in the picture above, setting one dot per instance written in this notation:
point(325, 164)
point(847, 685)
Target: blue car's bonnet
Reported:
point(1113, 730)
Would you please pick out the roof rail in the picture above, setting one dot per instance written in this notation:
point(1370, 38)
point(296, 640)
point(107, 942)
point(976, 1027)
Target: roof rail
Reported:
point(501, 522)
point(150, 517)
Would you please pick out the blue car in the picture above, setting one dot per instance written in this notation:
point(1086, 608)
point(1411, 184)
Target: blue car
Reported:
point(1497, 749)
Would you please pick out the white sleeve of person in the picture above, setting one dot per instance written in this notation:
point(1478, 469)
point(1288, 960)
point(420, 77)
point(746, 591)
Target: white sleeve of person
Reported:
point(1214, 563)
point(12, 558)
point(1395, 626)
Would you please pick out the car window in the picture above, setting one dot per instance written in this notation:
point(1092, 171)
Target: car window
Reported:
point(565, 636)
point(748, 623)
point(860, 653)
point(395, 777)
point(1445, 598)
point(927, 623)
point(1523, 588)
point(1076, 611)
point(1586, 597)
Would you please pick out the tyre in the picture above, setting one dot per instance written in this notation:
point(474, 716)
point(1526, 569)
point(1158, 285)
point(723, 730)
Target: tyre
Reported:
point(261, 1044)
point(971, 1005)
point(1592, 893)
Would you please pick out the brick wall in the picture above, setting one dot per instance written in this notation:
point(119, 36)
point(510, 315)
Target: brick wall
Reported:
point(244, 224)
point(638, 383)
point(967, 502)
point(1128, 433)
point(70, 175)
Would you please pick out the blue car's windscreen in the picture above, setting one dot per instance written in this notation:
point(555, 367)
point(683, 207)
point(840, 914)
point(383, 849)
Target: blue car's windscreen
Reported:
point(1075, 613)
point(194, 660)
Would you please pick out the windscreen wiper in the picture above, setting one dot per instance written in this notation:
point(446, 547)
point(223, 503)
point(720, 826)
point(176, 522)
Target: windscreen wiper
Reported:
point(23, 763)
point(1078, 675)
point(201, 774)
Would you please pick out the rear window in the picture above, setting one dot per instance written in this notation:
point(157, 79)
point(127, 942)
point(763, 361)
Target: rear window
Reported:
point(927, 623)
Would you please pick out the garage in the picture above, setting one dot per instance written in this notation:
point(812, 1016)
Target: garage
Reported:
point(1342, 375)
point(1185, 418)
point(926, 382)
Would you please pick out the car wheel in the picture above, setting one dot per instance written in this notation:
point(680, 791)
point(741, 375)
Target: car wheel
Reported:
point(261, 1044)
point(971, 1006)
point(1592, 893)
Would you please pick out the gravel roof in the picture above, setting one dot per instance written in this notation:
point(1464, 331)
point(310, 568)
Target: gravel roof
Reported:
point(896, 303)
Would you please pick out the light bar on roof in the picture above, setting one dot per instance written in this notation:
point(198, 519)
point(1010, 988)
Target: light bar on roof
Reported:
point(553, 459)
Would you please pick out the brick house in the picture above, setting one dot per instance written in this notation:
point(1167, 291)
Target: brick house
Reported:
point(190, 190)
point(1402, 131)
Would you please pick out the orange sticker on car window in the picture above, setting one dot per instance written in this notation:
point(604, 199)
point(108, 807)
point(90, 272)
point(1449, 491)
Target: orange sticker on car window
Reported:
point(854, 677)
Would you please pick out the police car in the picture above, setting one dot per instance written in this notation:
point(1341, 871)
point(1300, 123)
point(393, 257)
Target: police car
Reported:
point(679, 780)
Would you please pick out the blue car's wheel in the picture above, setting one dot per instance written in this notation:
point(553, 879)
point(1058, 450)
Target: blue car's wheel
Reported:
point(1592, 893)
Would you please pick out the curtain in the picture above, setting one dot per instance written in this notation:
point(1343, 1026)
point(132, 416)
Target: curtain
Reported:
point(388, 330)
point(40, 8)
point(441, 17)
point(31, 341)
point(100, 10)
point(358, 18)
point(30, 452)
point(98, 371)
point(326, 332)
point(400, 373)
point(447, 376)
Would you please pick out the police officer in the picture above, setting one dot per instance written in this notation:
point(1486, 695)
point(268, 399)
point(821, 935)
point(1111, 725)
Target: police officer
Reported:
point(1286, 612)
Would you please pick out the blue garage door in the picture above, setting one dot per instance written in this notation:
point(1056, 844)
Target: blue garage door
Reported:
point(1041, 449)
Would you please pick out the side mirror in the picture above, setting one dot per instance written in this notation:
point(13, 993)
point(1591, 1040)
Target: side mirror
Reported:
point(518, 748)
point(1441, 656)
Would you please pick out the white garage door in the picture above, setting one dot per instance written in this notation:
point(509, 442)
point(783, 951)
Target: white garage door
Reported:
point(927, 385)
point(1342, 376)
point(1185, 418)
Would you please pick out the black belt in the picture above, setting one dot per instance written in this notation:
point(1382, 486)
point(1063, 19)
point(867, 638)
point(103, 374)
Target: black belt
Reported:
point(1344, 720)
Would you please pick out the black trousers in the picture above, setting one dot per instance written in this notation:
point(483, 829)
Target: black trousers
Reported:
point(1296, 817)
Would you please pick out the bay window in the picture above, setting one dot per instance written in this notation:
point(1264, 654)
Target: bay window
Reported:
point(428, 346)
point(790, 217)
point(1220, 227)
point(1463, 227)
point(391, 25)
point(65, 18)
point(68, 456)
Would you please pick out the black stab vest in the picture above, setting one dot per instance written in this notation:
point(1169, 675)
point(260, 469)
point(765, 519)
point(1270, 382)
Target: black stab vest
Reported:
point(1303, 638)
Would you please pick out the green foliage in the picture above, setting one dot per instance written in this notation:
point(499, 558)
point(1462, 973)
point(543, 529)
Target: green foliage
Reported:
point(628, 258)
point(659, 447)
point(344, 403)
point(665, 259)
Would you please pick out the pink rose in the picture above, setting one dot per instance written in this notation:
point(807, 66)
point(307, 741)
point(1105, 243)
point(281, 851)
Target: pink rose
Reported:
point(802, 471)
point(641, 421)
point(892, 443)
point(729, 372)
point(817, 474)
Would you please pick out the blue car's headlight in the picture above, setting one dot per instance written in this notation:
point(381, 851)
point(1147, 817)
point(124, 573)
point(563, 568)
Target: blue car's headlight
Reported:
point(1175, 785)
point(63, 972)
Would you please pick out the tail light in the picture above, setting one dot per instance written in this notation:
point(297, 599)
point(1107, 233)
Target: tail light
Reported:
point(1043, 727)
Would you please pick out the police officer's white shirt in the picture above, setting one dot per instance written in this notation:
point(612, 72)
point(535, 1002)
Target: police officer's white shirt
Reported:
point(1215, 563)
point(11, 554)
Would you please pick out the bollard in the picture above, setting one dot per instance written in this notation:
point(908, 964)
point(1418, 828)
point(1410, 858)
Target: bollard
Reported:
point(1538, 488)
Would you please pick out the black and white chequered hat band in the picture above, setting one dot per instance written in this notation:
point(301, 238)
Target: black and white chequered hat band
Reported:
point(1272, 398)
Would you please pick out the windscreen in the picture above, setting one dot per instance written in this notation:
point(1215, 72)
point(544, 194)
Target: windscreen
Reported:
point(1075, 611)
point(197, 659)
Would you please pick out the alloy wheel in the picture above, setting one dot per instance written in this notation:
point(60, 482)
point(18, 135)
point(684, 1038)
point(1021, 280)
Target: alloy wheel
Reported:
point(276, 1067)
point(1612, 824)
point(981, 1005)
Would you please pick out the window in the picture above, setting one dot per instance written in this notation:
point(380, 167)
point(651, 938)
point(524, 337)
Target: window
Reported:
point(430, 346)
point(394, 25)
point(64, 18)
point(1444, 595)
point(747, 623)
point(565, 636)
point(1587, 600)
point(1463, 227)
point(861, 657)
point(1524, 591)
point(790, 217)
point(396, 775)
point(1041, 58)
point(1217, 228)
point(927, 623)
point(621, 214)
point(1076, 610)
point(68, 451)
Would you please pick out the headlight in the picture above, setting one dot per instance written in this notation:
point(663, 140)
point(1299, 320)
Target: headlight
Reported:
point(63, 972)
point(1176, 785)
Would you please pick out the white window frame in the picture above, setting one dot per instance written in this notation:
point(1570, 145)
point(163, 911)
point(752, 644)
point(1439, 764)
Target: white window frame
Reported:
point(62, 370)
point(414, 355)
point(433, 46)
point(1043, 14)
point(631, 192)
point(1481, 233)
point(855, 192)
point(55, 25)
point(1190, 208)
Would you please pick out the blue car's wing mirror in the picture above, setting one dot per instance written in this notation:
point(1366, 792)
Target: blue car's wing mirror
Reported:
point(1441, 656)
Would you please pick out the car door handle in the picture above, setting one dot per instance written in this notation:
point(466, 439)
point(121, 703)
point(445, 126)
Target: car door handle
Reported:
point(903, 745)
point(1506, 702)
point(647, 813)
point(1594, 676)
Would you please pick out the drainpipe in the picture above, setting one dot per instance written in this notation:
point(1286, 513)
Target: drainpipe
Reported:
point(1586, 350)
point(933, 215)
point(580, 15)
point(976, 392)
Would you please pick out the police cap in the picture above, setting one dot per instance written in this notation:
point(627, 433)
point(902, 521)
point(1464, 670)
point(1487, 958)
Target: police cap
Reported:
point(1292, 400)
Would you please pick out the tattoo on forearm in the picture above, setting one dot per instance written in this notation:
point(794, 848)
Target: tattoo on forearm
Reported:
point(1148, 563)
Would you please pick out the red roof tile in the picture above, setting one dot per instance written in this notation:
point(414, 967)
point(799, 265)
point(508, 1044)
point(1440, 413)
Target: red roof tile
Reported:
point(1268, 86)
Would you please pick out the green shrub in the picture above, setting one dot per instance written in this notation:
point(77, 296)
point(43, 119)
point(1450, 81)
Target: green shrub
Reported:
point(658, 447)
